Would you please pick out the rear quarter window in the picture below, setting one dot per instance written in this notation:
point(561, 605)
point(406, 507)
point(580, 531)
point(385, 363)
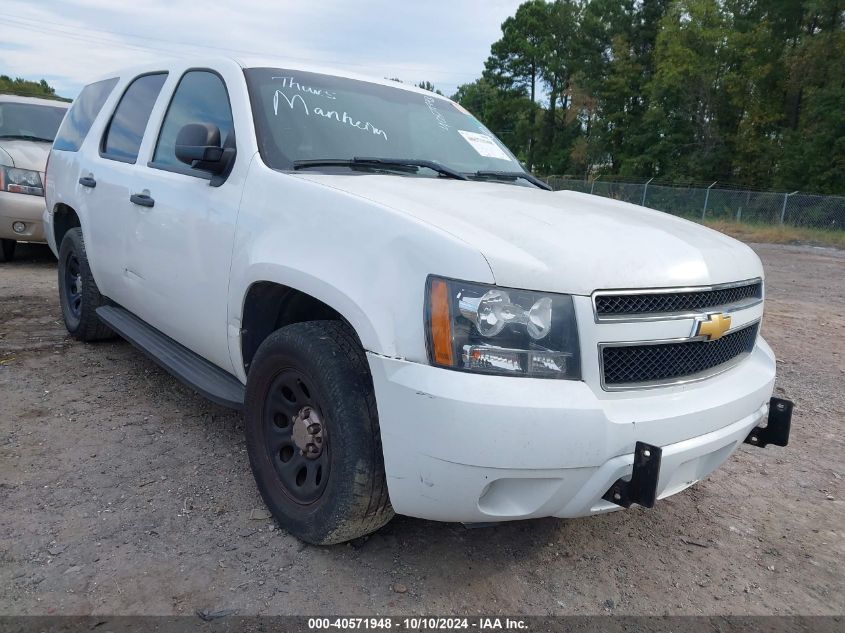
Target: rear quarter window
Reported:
point(81, 115)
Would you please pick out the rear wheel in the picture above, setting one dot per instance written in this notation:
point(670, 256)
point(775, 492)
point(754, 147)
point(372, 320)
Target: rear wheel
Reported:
point(78, 292)
point(7, 250)
point(313, 436)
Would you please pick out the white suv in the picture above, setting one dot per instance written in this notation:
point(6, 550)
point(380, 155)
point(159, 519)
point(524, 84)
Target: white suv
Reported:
point(409, 320)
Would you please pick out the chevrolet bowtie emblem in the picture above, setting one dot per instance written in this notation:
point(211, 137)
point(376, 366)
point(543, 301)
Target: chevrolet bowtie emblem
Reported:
point(713, 326)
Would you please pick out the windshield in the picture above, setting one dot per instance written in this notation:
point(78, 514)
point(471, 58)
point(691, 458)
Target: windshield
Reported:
point(302, 116)
point(30, 121)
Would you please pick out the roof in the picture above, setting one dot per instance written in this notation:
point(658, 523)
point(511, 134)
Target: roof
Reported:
point(258, 62)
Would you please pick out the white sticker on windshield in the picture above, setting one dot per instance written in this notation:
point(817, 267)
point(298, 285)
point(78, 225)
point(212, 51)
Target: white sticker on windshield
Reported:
point(484, 145)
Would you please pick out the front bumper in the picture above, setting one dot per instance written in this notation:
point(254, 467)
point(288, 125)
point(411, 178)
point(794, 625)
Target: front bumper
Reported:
point(475, 448)
point(20, 207)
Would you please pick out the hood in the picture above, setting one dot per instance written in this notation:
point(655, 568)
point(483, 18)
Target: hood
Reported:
point(562, 241)
point(27, 154)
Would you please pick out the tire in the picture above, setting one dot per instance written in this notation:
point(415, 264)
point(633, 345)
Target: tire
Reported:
point(78, 292)
point(310, 408)
point(7, 250)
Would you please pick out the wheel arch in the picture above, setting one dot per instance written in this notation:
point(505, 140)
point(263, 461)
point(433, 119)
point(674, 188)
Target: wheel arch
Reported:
point(65, 218)
point(269, 305)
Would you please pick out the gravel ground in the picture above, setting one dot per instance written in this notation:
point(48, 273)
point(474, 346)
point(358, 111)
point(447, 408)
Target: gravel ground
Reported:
point(123, 492)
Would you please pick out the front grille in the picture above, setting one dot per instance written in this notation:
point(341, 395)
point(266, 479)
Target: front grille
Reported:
point(667, 362)
point(661, 302)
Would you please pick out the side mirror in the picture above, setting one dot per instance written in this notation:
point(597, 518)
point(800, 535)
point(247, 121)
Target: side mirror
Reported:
point(198, 145)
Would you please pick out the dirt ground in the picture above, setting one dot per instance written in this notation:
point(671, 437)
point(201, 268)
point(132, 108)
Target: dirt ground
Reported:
point(123, 492)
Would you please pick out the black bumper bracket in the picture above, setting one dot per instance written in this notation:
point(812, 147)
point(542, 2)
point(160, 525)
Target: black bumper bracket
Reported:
point(642, 487)
point(777, 427)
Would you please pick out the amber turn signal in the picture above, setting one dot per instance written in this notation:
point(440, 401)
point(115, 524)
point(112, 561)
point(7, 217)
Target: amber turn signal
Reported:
point(441, 324)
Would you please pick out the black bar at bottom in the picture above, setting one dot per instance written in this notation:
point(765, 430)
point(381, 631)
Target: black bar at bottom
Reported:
point(642, 487)
point(777, 427)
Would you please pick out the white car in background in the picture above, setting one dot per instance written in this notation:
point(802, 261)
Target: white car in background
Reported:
point(27, 128)
point(409, 321)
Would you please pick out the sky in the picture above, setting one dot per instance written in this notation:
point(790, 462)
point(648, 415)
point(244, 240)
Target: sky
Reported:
point(71, 42)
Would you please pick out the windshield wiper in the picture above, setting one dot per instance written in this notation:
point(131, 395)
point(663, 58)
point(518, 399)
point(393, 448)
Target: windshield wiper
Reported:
point(512, 175)
point(26, 137)
point(402, 164)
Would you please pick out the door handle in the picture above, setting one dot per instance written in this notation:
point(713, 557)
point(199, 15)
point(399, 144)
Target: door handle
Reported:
point(88, 181)
point(142, 199)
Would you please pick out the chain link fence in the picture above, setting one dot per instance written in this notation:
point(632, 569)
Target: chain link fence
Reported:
point(718, 202)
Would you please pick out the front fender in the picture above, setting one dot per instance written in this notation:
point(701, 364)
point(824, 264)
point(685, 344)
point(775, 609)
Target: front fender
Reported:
point(367, 261)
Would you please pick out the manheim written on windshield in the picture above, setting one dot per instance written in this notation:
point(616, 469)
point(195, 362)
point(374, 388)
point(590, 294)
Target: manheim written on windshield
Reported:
point(304, 115)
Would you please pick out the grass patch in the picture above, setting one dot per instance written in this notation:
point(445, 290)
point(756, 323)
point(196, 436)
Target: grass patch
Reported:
point(777, 234)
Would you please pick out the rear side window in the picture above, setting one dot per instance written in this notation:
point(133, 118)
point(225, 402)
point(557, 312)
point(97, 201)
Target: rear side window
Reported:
point(126, 129)
point(82, 114)
point(201, 97)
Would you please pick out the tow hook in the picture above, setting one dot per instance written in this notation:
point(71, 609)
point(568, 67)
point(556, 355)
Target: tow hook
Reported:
point(777, 427)
point(642, 487)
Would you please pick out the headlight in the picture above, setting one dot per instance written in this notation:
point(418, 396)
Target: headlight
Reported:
point(493, 330)
point(16, 180)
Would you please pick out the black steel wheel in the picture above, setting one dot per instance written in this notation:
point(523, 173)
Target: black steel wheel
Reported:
point(78, 292)
point(296, 436)
point(312, 433)
point(73, 286)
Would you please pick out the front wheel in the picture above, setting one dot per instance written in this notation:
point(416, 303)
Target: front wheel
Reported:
point(313, 436)
point(7, 250)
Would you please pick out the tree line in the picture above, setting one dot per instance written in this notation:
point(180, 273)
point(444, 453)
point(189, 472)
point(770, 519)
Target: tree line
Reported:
point(750, 92)
point(27, 88)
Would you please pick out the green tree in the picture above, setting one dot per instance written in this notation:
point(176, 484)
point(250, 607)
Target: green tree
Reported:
point(750, 92)
point(746, 91)
point(517, 59)
point(814, 136)
point(427, 85)
point(26, 88)
point(690, 100)
point(505, 112)
point(558, 132)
